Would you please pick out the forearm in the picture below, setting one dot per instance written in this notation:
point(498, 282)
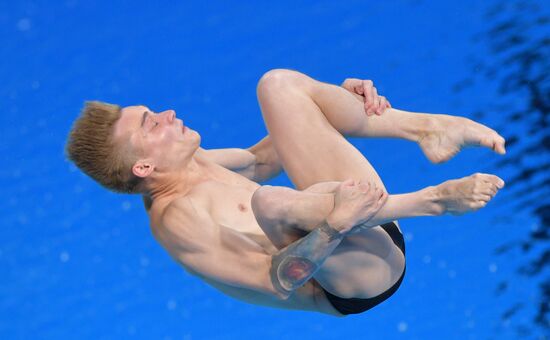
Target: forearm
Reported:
point(295, 264)
point(230, 158)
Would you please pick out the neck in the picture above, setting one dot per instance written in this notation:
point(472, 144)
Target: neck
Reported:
point(177, 182)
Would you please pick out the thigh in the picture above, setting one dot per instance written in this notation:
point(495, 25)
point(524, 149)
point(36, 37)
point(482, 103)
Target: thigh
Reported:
point(305, 210)
point(368, 253)
point(311, 150)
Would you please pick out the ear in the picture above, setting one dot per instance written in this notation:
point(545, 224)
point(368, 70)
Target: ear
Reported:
point(142, 168)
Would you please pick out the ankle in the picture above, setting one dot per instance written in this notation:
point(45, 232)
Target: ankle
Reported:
point(425, 125)
point(433, 196)
point(414, 126)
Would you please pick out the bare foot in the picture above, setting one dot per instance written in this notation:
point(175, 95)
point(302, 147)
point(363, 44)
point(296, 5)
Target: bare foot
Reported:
point(467, 194)
point(446, 135)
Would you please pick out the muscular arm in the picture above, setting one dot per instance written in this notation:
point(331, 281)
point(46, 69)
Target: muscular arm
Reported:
point(295, 264)
point(235, 159)
point(225, 255)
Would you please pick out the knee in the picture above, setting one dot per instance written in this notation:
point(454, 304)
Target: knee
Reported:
point(279, 79)
point(269, 203)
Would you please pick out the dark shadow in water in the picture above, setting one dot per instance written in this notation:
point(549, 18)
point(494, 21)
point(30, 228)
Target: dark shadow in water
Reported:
point(519, 65)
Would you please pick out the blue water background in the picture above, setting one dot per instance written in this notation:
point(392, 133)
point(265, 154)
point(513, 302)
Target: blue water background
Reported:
point(79, 262)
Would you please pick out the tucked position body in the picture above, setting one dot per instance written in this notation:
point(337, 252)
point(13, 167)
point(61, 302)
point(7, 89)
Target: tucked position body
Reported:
point(332, 244)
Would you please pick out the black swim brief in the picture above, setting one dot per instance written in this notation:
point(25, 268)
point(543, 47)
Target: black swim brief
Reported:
point(355, 305)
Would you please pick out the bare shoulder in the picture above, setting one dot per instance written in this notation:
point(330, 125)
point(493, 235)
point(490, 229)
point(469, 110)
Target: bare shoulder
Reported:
point(185, 226)
point(210, 251)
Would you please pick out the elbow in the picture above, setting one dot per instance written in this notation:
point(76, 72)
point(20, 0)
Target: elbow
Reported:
point(238, 159)
point(249, 158)
point(277, 291)
point(274, 286)
point(283, 296)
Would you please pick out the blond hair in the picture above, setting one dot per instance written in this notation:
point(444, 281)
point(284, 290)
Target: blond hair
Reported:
point(91, 147)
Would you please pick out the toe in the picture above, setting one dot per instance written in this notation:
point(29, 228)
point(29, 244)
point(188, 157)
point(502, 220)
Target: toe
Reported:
point(485, 197)
point(494, 180)
point(481, 204)
point(498, 146)
point(494, 142)
point(499, 182)
point(478, 204)
point(487, 142)
point(501, 146)
point(488, 189)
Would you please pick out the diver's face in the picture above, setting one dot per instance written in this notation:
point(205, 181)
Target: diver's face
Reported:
point(159, 137)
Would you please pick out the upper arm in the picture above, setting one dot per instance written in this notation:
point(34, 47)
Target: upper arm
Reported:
point(218, 253)
point(238, 160)
point(228, 264)
point(258, 163)
point(230, 158)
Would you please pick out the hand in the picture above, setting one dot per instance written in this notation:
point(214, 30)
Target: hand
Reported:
point(355, 203)
point(374, 103)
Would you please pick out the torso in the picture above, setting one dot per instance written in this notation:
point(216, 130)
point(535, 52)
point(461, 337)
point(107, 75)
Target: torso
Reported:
point(228, 200)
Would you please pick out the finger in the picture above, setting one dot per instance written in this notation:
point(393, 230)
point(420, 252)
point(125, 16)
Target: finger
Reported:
point(367, 110)
point(383, 198)
point(370, 111)
point(369, 187)
point(388, 102)
point(380, 106)
point(375, 102)
point(367, 107)
point(373, 189)
point(367, 89)
point(383, 104)
point(358, 89)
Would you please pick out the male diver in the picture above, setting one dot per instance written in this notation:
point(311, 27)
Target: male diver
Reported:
point(333, 245)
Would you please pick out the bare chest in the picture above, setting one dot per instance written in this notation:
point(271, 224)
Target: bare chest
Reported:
point(230, 206)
